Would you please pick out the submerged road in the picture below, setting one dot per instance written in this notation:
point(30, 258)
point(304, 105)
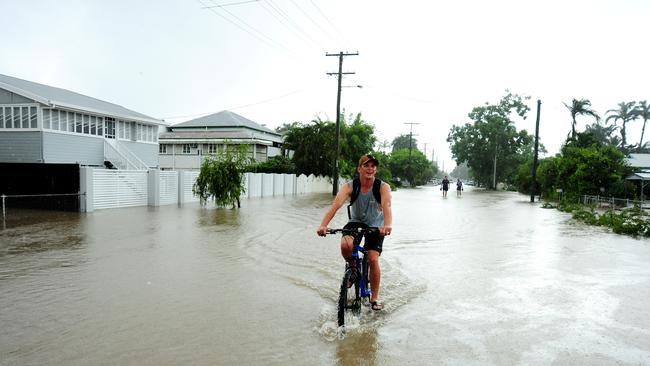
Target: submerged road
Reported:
point(483, 279)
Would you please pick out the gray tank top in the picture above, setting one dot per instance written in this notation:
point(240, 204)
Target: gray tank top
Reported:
point(366, 209)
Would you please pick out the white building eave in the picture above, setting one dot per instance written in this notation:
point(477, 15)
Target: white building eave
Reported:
point(214, 141)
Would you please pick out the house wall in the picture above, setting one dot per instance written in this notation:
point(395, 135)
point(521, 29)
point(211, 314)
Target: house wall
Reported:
point(21, 147)
point(73, 148)
point(147, 152)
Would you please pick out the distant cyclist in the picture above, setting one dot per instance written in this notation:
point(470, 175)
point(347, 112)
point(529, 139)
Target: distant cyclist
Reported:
point(365, 211)
point(459, 187)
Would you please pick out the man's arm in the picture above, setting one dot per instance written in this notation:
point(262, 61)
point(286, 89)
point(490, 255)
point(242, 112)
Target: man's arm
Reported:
point(344, 193)
point(387, 229)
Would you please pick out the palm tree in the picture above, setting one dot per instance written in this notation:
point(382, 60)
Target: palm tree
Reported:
point(578, 108)
point(626, 112)
point(644, 112)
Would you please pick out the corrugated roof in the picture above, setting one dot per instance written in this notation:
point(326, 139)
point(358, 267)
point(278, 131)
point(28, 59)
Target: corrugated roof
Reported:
point(224, 119)
point(639, 160)
point(53, 97)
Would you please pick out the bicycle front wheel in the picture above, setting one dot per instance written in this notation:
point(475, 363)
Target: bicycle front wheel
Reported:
point(348, 297)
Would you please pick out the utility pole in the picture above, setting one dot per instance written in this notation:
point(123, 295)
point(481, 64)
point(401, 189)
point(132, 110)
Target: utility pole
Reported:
point(533, 187)
point(335, 180)
point(410, 173)
point(425, 148)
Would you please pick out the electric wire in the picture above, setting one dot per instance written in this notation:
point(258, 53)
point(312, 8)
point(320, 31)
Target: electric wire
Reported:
point(239, 107)
point(313, 21)
point(270, 41)
point(278, 10)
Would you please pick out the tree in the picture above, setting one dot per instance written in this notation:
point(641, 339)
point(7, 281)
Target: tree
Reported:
point(580, 107)
point(221, 177)
point(643, 111)
point(584, 166)
point(413, 167)
point(626, 112)
point(404, 142)
point(491, 145)
point(314, 145)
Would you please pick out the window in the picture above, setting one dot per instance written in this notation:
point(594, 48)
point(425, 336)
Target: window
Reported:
point(16, 117)
point(93, 125)
point(110, 127)
point(47, 118)
point(86, 122)
point(71, 122)
point(2, 117)
point(8, 117)
point(186, 148)
point(212, 149)
point(120, 129)
point(25, 117)
point(78, 125)
point(100, 127)
point(162, 149)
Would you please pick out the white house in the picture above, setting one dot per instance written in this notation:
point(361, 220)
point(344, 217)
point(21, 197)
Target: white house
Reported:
point(47, 133)
point(185, 145)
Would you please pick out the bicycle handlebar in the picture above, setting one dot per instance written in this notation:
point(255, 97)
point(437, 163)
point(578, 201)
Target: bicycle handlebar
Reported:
point(358, 230)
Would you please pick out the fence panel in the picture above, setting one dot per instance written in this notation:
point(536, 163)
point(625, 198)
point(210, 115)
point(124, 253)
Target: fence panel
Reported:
point(119, 188)
point(189, 178)
point(168, 187)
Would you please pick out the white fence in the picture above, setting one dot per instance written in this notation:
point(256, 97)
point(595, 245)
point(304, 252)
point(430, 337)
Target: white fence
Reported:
point(105, 188)
point(119, 188)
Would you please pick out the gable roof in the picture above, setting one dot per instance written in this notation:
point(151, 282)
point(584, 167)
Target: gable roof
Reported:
point(223, 120)
point(639, 160)
point(57, 97)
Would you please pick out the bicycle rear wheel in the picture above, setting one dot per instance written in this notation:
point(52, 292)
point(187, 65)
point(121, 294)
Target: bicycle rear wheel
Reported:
point(348, 297)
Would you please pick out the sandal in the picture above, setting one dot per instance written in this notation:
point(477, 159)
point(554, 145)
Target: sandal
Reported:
point(374, 305)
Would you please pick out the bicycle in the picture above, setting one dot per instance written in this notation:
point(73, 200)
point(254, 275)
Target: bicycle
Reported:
point(350, 297)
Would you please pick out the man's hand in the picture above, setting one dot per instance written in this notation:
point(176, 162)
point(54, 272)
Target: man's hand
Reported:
point(385, 230)
point(321, 231)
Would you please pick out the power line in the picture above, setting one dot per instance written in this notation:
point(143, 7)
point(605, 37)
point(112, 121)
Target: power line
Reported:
point(284, 15)
point(313, 21)
point(241, 106)
point(283, 22)
point(328, 20)
point(270, 41)
point(222, 5)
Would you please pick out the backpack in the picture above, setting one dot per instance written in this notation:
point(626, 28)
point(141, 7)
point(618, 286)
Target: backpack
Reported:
point(356, 190)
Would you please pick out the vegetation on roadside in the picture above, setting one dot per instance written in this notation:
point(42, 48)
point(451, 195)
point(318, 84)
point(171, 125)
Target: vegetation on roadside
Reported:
point(630, 221)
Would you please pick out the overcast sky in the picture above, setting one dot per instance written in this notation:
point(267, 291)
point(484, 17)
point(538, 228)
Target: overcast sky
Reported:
point(426, 62)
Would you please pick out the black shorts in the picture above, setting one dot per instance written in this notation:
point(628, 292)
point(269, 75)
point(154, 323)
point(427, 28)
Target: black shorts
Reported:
point(374, 241)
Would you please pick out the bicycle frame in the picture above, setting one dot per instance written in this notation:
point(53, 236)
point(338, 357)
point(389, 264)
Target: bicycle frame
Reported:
point(360, 261)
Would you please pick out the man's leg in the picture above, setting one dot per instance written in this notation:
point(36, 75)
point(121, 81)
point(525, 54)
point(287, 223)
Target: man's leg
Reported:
point(346, 248)
point(375, 273)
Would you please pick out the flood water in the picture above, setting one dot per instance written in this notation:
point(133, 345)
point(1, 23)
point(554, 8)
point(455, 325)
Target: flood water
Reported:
point(484, 279)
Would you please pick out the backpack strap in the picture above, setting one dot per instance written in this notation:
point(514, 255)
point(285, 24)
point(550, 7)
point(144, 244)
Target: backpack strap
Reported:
point(356, 190)
point(376, 190)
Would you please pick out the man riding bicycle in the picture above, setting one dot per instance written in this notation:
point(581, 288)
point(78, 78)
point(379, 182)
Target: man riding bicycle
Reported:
point(366, 211)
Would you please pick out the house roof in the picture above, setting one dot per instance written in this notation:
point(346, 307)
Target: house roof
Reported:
point(223, 119)
point(57, 97)
point(639, 176)
point(639, 160)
